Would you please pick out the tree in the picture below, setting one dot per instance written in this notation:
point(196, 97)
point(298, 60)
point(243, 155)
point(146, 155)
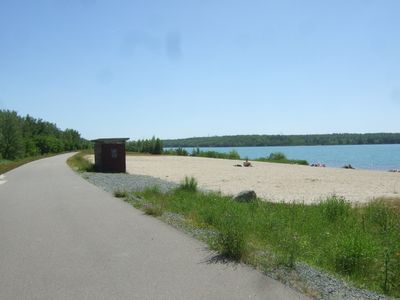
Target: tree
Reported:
point(71, 139)
point(49, 144)
point(11, 142)
point(158, 146)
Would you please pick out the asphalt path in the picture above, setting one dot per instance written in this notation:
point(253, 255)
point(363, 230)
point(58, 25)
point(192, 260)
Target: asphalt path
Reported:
point(63, 238)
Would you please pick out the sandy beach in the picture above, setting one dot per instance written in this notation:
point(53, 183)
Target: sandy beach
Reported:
point(271, 181)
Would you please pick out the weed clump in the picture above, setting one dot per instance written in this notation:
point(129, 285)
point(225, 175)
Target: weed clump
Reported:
point(335, 208)
point(121, 193)
point(189, 184)
point(231, 240)
point(152, 209)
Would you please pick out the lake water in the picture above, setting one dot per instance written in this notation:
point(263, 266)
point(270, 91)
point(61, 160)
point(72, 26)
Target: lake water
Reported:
point(374, 157)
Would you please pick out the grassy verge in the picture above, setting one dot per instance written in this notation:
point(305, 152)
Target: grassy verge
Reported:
point(79, 163)
point(360, 244)
point(8, 165)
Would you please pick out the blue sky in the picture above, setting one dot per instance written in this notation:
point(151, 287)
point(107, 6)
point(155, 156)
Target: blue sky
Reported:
point(203, 67)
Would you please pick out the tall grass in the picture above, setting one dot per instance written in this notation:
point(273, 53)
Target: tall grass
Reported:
point(79, 163)
point(188, 184)
point(361, 244)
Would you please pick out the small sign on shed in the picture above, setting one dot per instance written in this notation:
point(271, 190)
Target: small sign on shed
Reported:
point(110, 155)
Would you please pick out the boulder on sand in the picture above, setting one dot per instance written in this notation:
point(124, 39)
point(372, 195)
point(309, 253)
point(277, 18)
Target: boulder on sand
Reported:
point(245, 196)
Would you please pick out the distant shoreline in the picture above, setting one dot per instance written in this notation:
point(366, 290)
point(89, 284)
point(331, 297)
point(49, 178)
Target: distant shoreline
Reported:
point(382, 157)
point(191, 147)
point(286, 140)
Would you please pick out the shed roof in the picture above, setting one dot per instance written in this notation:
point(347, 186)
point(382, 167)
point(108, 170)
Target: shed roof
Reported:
point(110, 140)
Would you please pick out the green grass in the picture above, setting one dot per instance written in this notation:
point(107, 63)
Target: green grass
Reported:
point(79, 163)
point(279, 157)
point(214, 154)
point(8, 165)
point(188, 184)
point(360, 244)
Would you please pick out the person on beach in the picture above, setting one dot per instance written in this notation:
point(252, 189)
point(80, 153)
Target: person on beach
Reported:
point(247, 163)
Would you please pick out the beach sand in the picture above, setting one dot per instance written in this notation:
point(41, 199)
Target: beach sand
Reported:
point(271, 181)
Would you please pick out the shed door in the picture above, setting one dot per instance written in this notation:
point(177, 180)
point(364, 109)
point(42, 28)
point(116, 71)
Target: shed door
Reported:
point(113, 157)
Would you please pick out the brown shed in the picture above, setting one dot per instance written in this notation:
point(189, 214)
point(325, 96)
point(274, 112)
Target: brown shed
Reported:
point(109, 155)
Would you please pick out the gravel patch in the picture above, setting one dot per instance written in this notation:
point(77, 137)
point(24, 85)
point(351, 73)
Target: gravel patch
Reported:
point(331, 287)
point(314, 282)
point(126, 182)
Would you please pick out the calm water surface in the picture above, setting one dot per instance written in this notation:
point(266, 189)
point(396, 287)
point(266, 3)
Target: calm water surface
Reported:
point(374, 157)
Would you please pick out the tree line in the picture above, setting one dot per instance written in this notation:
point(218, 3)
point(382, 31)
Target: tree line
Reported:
point(286, 140)
point(153, 146)
point(27, 136)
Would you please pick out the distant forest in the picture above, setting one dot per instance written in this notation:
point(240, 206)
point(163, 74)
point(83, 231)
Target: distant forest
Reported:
point(26, 137)
point(153, 146)
point(286, 140)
